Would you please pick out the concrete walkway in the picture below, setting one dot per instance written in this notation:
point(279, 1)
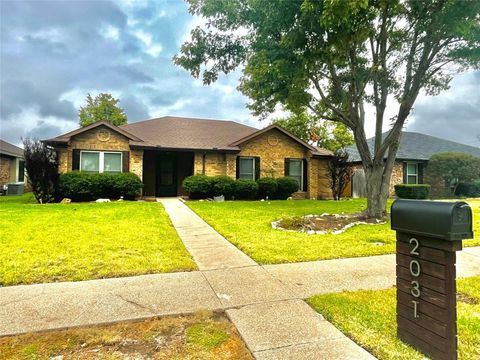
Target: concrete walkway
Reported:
point(273, 321)
point(264, 302)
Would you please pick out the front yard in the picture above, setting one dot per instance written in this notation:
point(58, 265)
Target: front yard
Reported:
point(199, 336)
point(368, 317)
point(247, 224)
point(81, 241)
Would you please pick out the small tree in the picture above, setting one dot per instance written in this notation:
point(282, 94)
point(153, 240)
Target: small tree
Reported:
point(340, 173)
point(102, 107)
point(446, 170)
point(42, 169)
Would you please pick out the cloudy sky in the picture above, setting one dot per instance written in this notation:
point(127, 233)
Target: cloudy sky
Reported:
point(54, 53)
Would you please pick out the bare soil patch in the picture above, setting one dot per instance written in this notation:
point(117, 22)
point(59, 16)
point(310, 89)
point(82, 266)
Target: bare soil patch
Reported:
point(324, 223)
point(204, 335)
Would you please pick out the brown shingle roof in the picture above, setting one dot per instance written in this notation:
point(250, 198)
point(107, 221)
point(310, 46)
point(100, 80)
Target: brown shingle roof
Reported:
point(9, 149)
point(187, 133)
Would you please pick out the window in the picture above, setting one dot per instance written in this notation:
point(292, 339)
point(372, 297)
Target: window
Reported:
point(246, 167)
point(99, 162)
point(295, 170)
point(412, 173)
point(21, 171)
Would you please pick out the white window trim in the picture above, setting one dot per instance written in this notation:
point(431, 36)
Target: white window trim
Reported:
point(101, 163)
point(253, 167)
point(17, 170)
point(302, 181)
point(416, 173)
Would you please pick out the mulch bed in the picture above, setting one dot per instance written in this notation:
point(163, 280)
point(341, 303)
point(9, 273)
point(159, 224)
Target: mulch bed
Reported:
point(324, 223)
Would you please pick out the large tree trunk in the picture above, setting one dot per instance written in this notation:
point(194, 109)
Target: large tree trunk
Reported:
point(377, 191)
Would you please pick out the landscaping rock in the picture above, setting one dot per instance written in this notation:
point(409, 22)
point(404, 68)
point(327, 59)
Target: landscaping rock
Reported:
point(102, 200)
point(66, 201)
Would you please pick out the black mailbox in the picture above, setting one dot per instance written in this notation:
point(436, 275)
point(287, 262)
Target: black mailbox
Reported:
point(437, 219)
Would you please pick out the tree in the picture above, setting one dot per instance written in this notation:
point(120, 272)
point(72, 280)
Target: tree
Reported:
point(42, 169)
point(339, 174)
point(448, 170)
point(334, 57)
point(101, 108)
point(323, 133)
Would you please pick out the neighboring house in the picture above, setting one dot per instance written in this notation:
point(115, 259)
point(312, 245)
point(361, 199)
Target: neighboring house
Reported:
point(163, 151)
point(12, 164)
point(414, 151)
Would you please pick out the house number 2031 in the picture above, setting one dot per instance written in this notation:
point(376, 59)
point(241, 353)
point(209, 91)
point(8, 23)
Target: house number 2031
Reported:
point(415, 272)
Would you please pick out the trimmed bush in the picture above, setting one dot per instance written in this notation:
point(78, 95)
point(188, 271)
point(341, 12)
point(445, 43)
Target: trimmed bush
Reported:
point(245, 189)
point(286, 186)
point(412, 191)
point(267, 187)
point(198, 186)
point(468, 189)
point(80, 186)
point(222, 185)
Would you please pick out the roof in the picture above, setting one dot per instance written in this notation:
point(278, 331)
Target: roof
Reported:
point(417, 146)
point(188, 133)
point(170, 132)
point(9, 149)
point(64, 138)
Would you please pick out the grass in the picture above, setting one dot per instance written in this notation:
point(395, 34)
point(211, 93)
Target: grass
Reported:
point(80, 241)
point(247, 224)
point(165, 338)
point(368, 317)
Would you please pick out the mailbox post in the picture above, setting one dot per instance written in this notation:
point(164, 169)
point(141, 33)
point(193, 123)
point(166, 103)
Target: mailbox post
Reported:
point(428, 235)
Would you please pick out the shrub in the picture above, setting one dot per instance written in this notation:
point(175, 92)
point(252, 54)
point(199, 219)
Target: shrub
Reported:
point(245, 189)
point(42, 168)
point(267, 187)
point(412, 191)
point(80, 186)
point(286, 186)
point(468, 189)
point(198, 186)
point(222, 185)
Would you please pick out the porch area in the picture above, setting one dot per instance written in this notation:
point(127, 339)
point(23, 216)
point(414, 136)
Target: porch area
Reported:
point(164, 172)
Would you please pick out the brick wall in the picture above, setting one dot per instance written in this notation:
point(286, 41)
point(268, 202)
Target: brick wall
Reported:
point(5, 169)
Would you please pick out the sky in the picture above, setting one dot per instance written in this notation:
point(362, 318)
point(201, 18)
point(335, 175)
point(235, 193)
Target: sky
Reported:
point(54, 53)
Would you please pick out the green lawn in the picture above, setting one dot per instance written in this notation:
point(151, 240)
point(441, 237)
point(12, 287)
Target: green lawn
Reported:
point(368, 317)
point(80, 241)
point(247, 224)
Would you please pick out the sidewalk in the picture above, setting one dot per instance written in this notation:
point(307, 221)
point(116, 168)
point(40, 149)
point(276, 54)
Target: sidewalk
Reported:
point(264, 302)
point(272, 320)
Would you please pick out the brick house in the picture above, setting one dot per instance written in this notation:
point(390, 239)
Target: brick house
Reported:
point(414, 151)
point(163, 151)
point(12, 164)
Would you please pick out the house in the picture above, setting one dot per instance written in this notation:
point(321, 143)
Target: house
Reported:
point(414, 151)
point(163, 151)
point(12, 164)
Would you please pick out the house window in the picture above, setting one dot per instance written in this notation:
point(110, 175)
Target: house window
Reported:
point(100, 161)
point(412, 173)
point(21, 171)
point(246, 168)
point(295, 170)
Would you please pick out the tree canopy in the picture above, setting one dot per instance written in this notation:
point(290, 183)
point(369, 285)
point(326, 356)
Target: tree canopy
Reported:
point(101, 108)
point(334, 57)
point(322, 133)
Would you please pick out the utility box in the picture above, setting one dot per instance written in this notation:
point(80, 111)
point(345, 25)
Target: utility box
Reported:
point(15, 188)
point(428, 235)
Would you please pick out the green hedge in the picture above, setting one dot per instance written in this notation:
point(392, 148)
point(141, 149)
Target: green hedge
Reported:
point(202, 187)
point(267, 187)
point(412, 191)
point(468, 189)
point(80, 186)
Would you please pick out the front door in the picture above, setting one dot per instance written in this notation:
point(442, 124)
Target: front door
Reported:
point(166, 176)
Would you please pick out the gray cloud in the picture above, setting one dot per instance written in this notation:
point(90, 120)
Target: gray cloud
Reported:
point(453, 114)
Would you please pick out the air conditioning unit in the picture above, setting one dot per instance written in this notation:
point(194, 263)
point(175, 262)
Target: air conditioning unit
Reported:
point(15, 188)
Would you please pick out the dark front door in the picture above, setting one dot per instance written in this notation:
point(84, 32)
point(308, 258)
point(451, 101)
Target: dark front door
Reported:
point(166, 183)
